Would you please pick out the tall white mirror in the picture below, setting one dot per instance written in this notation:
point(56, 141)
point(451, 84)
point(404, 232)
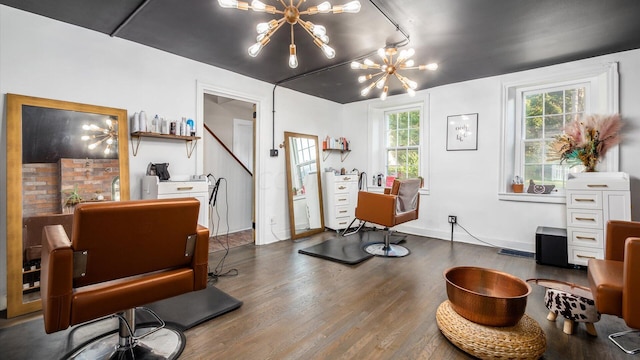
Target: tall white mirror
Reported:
point(303, 184)
point(58, 154)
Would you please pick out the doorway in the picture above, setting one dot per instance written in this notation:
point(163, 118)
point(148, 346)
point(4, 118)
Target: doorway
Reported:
point(229, 148)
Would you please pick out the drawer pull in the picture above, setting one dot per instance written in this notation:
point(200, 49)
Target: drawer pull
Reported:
point(342, 223)
point(585, 238)
point(585, 219)
point(341, 187)
point(585, 256)
point(587, 200)
point(342, 211)
point(597, 185)
point(342, 199)
point(185, 188)
point(346, 178)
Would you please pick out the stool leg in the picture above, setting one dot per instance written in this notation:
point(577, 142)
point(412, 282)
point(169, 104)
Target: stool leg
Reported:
point(591, 329)
point(552, 316)
point(568, 327)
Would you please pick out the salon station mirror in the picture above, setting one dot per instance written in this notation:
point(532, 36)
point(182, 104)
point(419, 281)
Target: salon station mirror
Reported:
point(58, 154)
point(303, 184)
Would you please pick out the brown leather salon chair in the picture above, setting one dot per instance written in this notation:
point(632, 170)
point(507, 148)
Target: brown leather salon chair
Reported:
point(397, 205)
point(615, 281)
point(122, 255)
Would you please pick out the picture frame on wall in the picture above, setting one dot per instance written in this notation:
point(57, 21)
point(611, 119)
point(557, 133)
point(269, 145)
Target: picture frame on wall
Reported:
point(462, 132)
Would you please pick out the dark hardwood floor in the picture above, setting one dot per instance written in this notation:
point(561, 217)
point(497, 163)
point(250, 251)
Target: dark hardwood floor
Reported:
point(302, 307)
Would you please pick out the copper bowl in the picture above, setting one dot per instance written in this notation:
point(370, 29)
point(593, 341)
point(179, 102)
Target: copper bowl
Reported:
point(485, 296)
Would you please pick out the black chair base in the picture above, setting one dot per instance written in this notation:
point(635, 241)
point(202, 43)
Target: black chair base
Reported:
point(627, 333)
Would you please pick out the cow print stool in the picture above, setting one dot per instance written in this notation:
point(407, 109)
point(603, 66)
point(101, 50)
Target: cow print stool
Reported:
point(573, 308)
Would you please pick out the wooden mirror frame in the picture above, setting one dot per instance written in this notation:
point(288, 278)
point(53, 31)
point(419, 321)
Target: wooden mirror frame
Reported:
point(14, 104)
point(290, 193)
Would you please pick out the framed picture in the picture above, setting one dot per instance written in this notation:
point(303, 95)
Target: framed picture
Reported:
point(462, 132)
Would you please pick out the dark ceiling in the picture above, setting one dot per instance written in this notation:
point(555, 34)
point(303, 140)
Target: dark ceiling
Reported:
point(469, 39)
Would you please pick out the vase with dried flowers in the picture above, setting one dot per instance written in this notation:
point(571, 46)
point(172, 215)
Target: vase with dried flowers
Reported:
point(585, 140)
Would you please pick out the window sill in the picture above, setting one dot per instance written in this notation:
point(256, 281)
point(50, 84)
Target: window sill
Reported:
point(555, 198)
point(380, 189)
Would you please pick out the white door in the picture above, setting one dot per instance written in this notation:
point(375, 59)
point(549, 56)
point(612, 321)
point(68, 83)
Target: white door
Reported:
point(243, 141)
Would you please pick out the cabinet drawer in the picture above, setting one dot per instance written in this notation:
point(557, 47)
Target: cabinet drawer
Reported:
point(342, 222)
point(344, 211)
point(342, 199)
point(584, 218)
point(182, 187)
point(340, 188)
point(580, 255)
point(586, 238)
point(584, 200)
point(346, 178)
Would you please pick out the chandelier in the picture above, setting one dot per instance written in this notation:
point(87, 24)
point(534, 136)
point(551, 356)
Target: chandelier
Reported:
point(291, 15)
point(107, 135)
point(388, 68)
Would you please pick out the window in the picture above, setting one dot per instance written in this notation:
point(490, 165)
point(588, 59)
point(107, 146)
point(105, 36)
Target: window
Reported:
point(536, 108)
point(402, 143)
point(304, 152)
point(545, 112)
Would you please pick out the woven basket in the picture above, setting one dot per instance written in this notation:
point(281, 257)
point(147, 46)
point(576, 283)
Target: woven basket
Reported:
point(525, 340)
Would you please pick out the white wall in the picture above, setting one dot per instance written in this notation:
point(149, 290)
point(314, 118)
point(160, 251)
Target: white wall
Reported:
point(50, 59)
point(465, 183)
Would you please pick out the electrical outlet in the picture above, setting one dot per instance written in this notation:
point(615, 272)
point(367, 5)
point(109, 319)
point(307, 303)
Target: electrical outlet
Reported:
point(272, 221)
point(453, 219)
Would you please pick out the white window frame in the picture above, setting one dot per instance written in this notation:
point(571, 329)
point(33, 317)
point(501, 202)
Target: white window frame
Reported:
point(407, 147)
point(602, 83)
point(376, 134)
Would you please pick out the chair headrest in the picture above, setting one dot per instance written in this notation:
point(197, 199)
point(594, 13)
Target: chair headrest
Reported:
point(407, 192)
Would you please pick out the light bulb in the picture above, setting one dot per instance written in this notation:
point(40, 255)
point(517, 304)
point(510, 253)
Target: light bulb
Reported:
point(412, 84)
point(366, 90)
point(108, 121)
point(409, 63)
point(382, 53)
point(351, 7)
point(432, 66)
point(325, 7)
point(380, 83)
point(262, 28)
point(85, 137)
point(254, 50)
point(411, 92)
point(328, 51)
point(324, 38)
point(258, 5)
point(369, 62)
point(228, 3)
point(355, 65)
point(318, 30)
point(107, 151)
point(293, 59)
point(410, 52)
point(260, 37)
point(92, 146)
point(85, 127)
point(383, 96)
point(362, 78)
point(110, 141)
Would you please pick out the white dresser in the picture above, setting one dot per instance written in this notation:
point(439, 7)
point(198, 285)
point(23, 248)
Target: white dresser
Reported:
point(340, 197)
point(152, 188)
point(592, 200)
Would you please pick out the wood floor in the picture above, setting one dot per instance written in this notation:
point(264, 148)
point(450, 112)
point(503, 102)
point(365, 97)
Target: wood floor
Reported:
point(301, 307)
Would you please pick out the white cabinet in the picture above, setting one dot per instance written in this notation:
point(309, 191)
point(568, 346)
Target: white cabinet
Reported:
point(340, 197)
point(152, 188)
point(592, 200)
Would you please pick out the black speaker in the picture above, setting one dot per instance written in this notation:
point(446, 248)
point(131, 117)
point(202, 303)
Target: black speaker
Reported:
point(551, 246)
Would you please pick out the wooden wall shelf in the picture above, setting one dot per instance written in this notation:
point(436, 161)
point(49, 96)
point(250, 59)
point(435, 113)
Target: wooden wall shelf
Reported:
point(190, 141)
point(343, 153)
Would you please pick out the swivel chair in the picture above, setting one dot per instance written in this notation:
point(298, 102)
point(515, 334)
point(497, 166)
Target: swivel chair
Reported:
point(397, 205)
point(123, 255)
point(615, 281)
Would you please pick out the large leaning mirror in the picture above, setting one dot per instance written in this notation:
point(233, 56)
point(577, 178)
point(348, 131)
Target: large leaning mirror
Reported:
point(303, 184)
point(58, 154)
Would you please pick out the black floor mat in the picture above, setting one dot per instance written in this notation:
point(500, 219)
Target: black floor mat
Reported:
point(349, 249)
point(190, 309)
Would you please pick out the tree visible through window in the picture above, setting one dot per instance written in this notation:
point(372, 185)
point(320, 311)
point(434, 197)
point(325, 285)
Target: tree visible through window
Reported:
point(545, 113)
point(402, 134)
